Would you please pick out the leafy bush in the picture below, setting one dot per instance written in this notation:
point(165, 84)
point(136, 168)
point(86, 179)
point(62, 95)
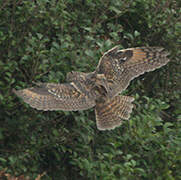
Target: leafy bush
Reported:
point(42, 40)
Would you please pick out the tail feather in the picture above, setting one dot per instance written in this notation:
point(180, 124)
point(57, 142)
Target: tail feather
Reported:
point(110, 114)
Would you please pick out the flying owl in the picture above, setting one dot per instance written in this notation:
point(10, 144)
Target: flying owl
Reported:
point(99, 89)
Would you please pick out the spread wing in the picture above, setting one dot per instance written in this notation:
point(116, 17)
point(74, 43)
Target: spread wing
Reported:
point(121, 66)
point(50, 96)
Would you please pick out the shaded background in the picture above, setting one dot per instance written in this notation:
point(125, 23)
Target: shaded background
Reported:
point(42, 40)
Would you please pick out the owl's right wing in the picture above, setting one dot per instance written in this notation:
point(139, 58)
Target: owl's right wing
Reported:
point(50, 96)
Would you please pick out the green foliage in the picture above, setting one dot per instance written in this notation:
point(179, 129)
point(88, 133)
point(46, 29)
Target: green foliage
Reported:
point(42, 40)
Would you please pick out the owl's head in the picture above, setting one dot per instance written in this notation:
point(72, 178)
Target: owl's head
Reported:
point(98, 82)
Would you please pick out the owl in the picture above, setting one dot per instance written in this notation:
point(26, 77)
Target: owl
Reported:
point(99, 89)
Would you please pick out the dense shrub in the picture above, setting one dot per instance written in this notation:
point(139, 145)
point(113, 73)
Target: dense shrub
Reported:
point(42, 40)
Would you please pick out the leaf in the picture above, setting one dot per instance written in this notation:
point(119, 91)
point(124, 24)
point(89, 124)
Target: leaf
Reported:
point(3, 160)
point(136, 33)
point(55, 132)
point(116, 10)
point(39, 35)
point(55, 44)
point(89, 53)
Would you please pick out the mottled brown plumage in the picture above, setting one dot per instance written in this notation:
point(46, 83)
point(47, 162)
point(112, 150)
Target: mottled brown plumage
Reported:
point(100, 88)
point(109, 113)
point(121, 66)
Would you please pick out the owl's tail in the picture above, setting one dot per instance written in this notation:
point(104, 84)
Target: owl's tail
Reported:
point(110, 114)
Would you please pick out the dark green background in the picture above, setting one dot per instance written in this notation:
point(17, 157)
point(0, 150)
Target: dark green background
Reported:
point(42, 40)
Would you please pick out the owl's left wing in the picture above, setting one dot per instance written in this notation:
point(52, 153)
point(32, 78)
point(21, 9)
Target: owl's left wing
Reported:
point(121, 66)
point(50, 96)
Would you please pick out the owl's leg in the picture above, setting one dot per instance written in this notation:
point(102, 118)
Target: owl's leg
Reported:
point(110, 113)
